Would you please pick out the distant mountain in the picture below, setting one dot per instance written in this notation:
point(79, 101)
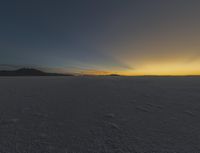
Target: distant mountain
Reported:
point(114, 75)
point(29, 72)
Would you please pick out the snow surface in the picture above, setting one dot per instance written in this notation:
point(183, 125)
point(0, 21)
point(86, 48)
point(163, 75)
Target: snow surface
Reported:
point(99, 115)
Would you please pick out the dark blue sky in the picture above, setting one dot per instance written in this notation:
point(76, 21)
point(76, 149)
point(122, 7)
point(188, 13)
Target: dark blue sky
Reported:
point(100, 35)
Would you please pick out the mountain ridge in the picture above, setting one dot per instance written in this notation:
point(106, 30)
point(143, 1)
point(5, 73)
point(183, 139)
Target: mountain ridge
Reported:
point(29, 72)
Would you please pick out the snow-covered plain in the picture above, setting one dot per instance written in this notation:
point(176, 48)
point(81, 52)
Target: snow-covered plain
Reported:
point(99, 115)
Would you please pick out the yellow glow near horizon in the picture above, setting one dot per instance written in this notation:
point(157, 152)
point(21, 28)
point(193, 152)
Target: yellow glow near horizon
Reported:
point(167, 69)
point(156, 68)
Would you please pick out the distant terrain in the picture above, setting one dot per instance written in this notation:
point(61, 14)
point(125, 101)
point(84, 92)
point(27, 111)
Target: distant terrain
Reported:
point(29, 72)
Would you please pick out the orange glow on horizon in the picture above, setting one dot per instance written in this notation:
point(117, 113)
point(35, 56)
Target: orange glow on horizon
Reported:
point(157, 69)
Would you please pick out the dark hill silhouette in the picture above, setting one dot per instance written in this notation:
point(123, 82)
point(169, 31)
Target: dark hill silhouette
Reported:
point(29, 72)
point(114, 75)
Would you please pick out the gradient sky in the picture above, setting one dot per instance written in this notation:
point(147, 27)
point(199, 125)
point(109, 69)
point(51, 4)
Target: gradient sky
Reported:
point(130, 37)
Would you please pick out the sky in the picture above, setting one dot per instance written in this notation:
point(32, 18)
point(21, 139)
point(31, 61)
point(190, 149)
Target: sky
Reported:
point(127, 37)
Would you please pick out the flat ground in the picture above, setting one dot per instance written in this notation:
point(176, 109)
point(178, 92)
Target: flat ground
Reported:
point(99, 115)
